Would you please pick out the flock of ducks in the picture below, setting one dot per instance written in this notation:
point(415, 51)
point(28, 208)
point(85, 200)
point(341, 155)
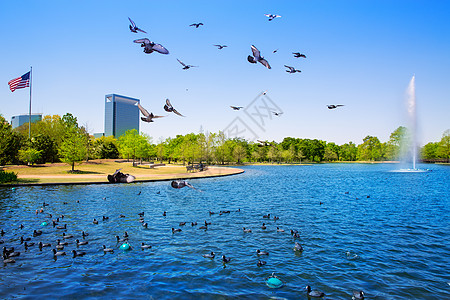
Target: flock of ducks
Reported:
point(60, 243)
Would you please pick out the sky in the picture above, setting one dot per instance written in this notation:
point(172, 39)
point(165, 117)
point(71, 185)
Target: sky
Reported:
point(362, 54)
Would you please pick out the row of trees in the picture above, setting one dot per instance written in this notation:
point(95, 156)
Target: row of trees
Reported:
point(62, 139)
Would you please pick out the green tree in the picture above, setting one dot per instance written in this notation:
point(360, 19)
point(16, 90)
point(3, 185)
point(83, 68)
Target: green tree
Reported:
point(397, 144)
point(46, 146)
point(133, 145)
point(331, 152)
point(370, 149)
point(10, 142)
point(105, 147)
point(430, 151)
point(444, 146)
point(288, 154)
point(30, 155)
point(73, 147)
point(239, 153)
point(348, 152)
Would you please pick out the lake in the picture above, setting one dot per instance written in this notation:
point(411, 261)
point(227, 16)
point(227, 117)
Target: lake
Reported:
point(361, 226)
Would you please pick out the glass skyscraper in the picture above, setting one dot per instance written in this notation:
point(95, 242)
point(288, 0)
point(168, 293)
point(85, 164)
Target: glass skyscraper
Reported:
point(19, 120)
point(121, 114)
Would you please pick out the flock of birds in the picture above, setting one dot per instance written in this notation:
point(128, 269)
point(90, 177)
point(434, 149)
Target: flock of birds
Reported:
point(150, 47)
point(54, 238)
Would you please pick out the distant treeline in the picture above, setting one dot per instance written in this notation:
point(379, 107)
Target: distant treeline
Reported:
point(57, 139)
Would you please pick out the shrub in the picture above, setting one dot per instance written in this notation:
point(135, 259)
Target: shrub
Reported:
point(6, 176)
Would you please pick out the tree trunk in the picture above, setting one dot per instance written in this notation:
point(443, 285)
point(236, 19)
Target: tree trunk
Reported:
point(73, 166)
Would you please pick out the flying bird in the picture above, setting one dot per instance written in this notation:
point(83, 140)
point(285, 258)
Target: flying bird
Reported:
point(220, 46)
point(298, 54)
point(134, 28)
point(275, 51)
point(291, 69)
point(263, 144)
point(178, 184)
point(277, 113)
point(169, 108)
point(148, 116)
point(196, 24)
point(236, 107)
point(271, 17)
point(257, 58)
point(332, 106)
point(185, 67)
point(150, 46)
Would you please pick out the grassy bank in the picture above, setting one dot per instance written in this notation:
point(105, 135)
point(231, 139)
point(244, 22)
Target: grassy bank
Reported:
point(98, 170)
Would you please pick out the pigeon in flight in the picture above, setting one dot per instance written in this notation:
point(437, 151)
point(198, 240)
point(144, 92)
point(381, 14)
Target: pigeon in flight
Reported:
point(221, 46)
point(178, 184)
point(257, 57)
point(236, 107)
point(277, 113)
point(169, 108)
point(264, 143)
point(332, 106)
point(275, 51)
point(271, 17)
point(185, 67)
point(134, 28)
point(298, 54)
point(196, 24)
point(291, 69)
point(150, 46)
point(148, 116)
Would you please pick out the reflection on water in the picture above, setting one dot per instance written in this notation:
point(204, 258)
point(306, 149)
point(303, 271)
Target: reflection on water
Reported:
point(381, 232)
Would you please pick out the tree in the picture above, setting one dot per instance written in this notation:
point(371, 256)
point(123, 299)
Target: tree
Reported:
point(30, 155)
point(273, 154)
point(10, 142)
point(331, 152)
point(73, 147)
point(132, 144)
point(43, 143)
point(105, 147)
point(397, 144)
point(444, 146)
point(370, 149)
point(348, 152)
point(288, 154)
point(430, 151)
point(239, 153)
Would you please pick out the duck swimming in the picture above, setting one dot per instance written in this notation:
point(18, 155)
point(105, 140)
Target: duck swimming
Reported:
point(259, 252)
point(144, 246)
point(107, 249)
point(58, 253)
point(261, 263)
point(81, 243)
point(210, 255)
point(78, 253)
point(358, 295)
point(316, 294)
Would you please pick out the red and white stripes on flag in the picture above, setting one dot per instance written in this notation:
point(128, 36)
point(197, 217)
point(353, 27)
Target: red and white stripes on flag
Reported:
point(19, 82)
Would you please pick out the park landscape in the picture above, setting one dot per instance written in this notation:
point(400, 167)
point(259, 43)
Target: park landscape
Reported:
point(340, 169)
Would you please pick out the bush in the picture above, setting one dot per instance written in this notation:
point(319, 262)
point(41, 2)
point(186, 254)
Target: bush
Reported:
point(6, 176)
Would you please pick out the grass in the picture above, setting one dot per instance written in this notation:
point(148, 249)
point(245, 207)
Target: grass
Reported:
point(98, 170)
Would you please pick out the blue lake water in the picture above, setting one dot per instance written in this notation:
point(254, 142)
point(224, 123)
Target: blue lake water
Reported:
point(384, 233)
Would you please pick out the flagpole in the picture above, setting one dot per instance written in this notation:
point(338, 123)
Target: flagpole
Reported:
point(29, 123)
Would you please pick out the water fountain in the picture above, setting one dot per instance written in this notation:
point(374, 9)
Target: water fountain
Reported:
point(412, 126)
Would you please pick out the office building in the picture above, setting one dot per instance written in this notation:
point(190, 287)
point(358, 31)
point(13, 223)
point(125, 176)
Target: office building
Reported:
point(121, 114)
point(19, 120)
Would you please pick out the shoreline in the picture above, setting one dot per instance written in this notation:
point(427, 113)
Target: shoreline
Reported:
point(83, 179)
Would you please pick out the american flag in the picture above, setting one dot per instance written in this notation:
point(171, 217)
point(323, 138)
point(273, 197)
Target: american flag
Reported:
point(19, 82)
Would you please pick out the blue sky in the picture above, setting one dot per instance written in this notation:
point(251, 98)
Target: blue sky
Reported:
point(359, 53)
